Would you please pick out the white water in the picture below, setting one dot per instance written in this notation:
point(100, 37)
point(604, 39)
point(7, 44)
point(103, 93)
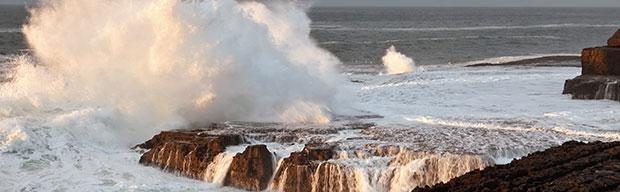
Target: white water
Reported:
point(185, 63)
point(396, 62)
point(97, 85)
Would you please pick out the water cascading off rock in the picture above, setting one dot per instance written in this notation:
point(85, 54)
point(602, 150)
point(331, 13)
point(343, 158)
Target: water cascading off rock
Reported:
point(228, 161)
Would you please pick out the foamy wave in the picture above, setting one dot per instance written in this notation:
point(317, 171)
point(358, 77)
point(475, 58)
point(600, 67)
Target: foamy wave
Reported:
point(506, 59)
point(10, 30)
point(481, 28)
point(491, 125)
point(187, 62)
point(390, 41)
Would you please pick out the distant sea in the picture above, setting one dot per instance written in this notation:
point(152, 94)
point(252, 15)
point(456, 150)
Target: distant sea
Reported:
point(455, 35)
point(359, 36)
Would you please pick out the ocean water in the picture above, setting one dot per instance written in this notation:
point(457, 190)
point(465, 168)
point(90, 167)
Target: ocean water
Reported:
point(82, 93)
point(456, 35)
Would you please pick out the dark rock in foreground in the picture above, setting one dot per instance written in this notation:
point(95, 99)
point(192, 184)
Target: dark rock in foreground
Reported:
point(594, 87)
point(573, 166)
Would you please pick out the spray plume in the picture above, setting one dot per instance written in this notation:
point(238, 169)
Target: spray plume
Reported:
point(167, 61)
point(396, 62)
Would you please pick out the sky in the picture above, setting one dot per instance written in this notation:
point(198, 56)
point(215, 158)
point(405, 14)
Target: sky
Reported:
point(471, 3)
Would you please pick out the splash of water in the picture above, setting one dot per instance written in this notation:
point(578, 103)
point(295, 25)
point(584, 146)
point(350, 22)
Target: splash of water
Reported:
point(396, 62)
point(168, 62)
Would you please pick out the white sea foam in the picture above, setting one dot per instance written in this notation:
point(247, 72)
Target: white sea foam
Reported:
point(396, 62)
point(97, 85)
point(10, 30)
point(186, 63)
point(505, 59)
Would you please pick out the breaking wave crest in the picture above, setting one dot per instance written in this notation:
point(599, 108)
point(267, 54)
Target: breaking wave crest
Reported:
point(172, 63)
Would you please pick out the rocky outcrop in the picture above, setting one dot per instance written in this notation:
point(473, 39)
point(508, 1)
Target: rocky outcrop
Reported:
point(600, 73)
point(600, 61)
point(614, 41)
point(296, 172)
point(251, 170)
point(225, 160)
point(573, 166)
point(594, 87)
point(186, 152)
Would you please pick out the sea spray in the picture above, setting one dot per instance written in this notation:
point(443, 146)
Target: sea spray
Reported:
point(167, 63)
point(396, 62)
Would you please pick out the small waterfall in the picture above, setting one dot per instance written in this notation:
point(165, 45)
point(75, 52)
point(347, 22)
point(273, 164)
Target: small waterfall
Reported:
point(608, 90)
point(389, 170)
point(216, 171)
point(291, 169)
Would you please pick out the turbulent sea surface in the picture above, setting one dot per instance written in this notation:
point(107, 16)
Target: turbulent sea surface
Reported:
point(51, 143)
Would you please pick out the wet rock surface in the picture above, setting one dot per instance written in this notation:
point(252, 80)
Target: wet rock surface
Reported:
point(186, 152)
point(296, 172)
point(594, 87)
point(574, 166)
point(600, 73)
point(251, 170)
point(336, 157)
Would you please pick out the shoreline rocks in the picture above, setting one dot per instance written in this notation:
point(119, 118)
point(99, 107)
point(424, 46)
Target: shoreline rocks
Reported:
point(186, 152)
point(600, 74)
point(251, 170)
point(593, 87)
point(571, 166)
point(318, 165)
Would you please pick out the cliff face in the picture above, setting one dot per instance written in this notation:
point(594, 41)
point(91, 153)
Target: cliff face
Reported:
point(600, 61)
point(600, 77)
point(573, 166)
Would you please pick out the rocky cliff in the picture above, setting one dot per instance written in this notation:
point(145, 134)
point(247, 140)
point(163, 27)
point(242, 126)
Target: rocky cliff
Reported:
point(574, 166)
point(600, 73)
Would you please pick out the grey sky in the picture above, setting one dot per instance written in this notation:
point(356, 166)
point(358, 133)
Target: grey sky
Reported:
point(472, 3)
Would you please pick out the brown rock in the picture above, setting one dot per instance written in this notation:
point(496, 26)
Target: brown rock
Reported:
point(296, 172)
point(251, 170)
point(320, 152)
point(573, 166)
point(600, 61)
point(186, 152)
point(614, 41)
